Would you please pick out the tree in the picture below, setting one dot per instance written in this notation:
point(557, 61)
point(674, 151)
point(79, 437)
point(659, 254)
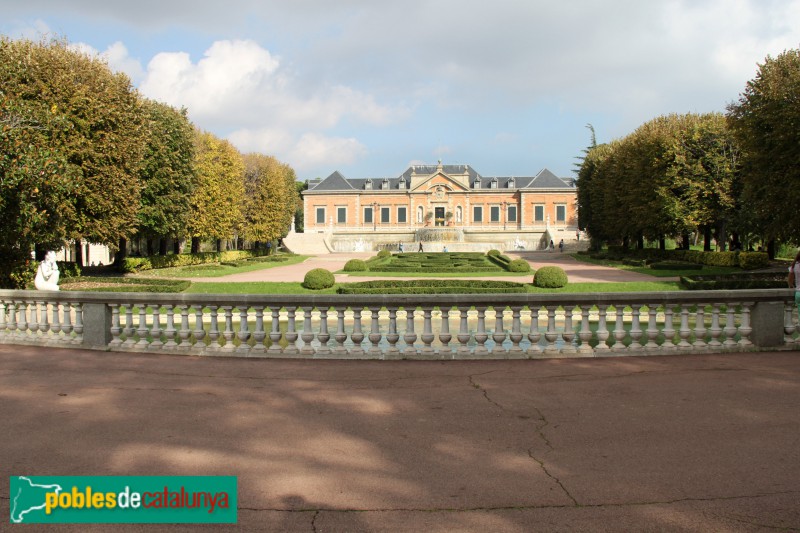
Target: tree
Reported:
point(270, 198)
point(218, 198)
point(766, 122)
point(103, 138)
point(168, 174)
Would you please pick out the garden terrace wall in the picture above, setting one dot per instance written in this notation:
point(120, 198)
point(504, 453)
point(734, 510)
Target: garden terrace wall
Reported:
point(404, 326)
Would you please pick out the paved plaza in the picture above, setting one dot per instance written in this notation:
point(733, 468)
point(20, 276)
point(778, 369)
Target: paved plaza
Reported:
point(676, 443)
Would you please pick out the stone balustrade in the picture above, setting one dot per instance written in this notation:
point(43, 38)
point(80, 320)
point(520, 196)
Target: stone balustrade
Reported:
point(405, 326)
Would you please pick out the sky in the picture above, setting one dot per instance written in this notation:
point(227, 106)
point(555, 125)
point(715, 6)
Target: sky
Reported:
point(370, 87)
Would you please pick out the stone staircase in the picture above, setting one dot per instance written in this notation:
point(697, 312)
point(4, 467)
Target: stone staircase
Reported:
point(306, 243)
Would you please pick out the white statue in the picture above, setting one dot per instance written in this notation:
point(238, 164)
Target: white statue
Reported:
point(47, 273)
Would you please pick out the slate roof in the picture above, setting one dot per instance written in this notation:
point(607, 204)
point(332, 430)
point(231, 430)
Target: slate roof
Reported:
point(543, 180)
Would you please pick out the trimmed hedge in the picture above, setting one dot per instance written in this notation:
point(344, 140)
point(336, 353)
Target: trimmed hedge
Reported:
point(355, 265)
point(550, 277)
point(431, 286)
point(748, 280)
point(138, 264)
point(318, 279)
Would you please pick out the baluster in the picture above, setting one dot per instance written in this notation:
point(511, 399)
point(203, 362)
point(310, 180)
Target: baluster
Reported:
point(375, 333)
point(129, 330)
point(116, 330)
point(730, 327)
point(444, 334)
point(155, 331)
point(427, 336)
point(499, 336)
point(78, 329)
point(259, 334)
point(228, 334)
point(170, 332)
point(534, 335)
point(55, 323)
point(585, 334)
point(33, 325)
point(463, 333)
point(142, 329)
point(684, 332)
point(213, 330)
point(788, 324)
point(480, 336)
point(619, 329)
point(185, 333)
point(392, 337)
point(636, 331)
point(700, 328)
point(66, 323)
point(244, 331)
point(341, 335)
point(551, 335)
point(323, 337)
point(199, 328)
point(652, 327)
point(745, 329)
point(410, 337)
point(516, 332)
point(669, 329)
point(307, 335)
point(22, 321)
point(569, 333)
point(44, 324)
point(357, 336)
point(12, 318)
point(275, 332)
point(291, 332)
point(715, 330)
point(602, 331)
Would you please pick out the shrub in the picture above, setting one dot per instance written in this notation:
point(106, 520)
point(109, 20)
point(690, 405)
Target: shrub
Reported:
point(550, 277)
point(753, 260)
point(356, 265)
point(519, 265)
point(384, 253)
point(318, 279)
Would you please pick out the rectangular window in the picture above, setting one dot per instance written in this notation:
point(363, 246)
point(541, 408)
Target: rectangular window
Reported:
point(538, 213)
point(477, 213)
point(561, 213)
point(367, 215)
point(321, 215)
point(512, 213)
point(401, 215)
point(341, 215)
point(494, 213)
point(385, 217)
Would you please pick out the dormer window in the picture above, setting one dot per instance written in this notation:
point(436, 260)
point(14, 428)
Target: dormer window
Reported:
point(368, 184)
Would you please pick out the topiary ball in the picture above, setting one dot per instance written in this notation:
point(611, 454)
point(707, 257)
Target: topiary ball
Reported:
point(519, 265)
point(384, 253)
point(550, 277)
point(318, 279)
point(355, 265)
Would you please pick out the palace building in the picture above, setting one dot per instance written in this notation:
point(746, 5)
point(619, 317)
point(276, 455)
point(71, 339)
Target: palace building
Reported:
point(449, 206)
